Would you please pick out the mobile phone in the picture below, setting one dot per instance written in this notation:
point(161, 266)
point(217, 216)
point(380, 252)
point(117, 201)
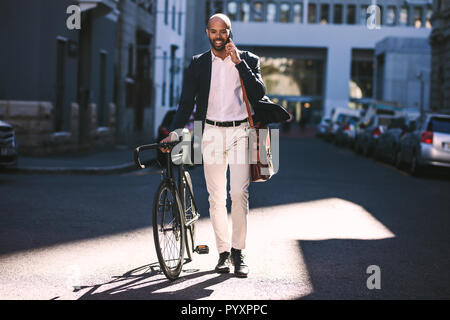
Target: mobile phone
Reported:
point(230, 36)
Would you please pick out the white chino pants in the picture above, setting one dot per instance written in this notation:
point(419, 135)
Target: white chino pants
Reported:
point(223, 147)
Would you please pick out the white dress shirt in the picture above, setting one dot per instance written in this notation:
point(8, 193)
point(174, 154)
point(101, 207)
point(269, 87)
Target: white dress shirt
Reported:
point(226, 102)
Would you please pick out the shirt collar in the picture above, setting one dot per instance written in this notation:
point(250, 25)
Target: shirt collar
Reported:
point(213, 57)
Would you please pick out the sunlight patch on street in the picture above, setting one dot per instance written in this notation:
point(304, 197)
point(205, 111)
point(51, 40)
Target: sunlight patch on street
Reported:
point(278, 270)
point(324, 219)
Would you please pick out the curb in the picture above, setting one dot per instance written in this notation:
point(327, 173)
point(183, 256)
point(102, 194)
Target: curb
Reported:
point(122, 168)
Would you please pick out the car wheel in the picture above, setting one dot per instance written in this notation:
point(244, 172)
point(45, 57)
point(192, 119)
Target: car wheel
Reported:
point(414, 168)
point(398, 159)
point(365, 150)
point(394, 155)
point(357, 148)
point(376, 153)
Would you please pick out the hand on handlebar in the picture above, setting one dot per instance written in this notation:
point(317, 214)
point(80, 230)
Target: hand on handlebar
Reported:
point(166, 139)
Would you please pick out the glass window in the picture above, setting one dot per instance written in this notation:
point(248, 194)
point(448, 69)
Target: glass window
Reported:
point(428, 17)
point(312, 18)
point(166, 12)
point(363, 15)
point(439, 125)
point(207, 11)
point(245, 12)
point(232, 10)
point(298, 13)
point(324, 13)
point(417, 20)
point(361, 79)
point(337, 18)
point(258, 11)
point(173, 17)
point(180, 19)
point(351, 14)
point(218, 6)
point(271, 12)
point(403, 16)
point(381, 14)
point(390, 16)
point(285, 10)
point(163, 94)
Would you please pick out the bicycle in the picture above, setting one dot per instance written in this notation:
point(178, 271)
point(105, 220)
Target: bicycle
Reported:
point(174, 214)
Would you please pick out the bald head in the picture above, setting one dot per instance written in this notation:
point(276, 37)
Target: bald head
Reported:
point(219, 18)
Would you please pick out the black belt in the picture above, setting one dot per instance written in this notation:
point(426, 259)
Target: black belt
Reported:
point(226, 123)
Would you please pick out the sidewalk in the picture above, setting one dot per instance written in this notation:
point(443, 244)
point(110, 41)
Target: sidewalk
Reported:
point(116, 160)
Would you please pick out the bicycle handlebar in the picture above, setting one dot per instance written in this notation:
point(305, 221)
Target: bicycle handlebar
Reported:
point(149, 147)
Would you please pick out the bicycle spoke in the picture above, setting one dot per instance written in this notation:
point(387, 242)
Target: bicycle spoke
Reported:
point(169, 233)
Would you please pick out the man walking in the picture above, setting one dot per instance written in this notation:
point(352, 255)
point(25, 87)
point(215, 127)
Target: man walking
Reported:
point(212, 81)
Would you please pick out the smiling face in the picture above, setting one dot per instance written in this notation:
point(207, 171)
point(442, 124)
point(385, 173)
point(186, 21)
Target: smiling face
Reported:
point(217, 32)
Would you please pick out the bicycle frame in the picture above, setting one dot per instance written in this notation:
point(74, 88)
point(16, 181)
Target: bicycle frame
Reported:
point(169, 174)
point(184, 223)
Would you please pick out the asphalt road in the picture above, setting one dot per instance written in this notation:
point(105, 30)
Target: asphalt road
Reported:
point(314, 230)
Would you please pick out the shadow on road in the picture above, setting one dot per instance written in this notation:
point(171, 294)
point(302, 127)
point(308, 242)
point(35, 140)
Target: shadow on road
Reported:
point(338, 269)
point(414, 263)
point(144, 281)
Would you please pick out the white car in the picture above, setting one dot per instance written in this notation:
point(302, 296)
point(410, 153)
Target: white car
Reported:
point(427, 145)
point(8, 145)
point(322, 127)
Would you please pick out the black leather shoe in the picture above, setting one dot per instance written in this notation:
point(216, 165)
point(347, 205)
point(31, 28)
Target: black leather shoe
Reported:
point(237, 259)
point(223, 266)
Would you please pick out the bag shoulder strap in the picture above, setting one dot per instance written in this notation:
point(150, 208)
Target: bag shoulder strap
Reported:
point(244, 94)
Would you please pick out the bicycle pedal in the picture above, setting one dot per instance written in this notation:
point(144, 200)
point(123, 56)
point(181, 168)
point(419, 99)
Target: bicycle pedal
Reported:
point(202, 249)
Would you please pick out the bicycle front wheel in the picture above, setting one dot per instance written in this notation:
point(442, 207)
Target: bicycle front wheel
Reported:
point(189, 214)
point(168, 230)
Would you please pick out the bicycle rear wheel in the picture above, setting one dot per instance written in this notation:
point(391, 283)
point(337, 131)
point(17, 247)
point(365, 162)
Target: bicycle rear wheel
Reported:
point(189, 214)
point(168, 230)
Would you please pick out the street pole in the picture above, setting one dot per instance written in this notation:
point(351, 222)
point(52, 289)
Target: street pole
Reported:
point(420, 77)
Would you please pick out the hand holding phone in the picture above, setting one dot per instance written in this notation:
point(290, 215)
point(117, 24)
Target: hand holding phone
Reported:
point(232, 50)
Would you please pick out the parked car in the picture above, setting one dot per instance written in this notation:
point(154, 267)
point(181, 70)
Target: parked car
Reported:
point(323, 126)
point(346, 132)
point(367, 137)
point(338, 117)
point(8, 146)
point(426, 145)
point(163, 131)
point(388, 142)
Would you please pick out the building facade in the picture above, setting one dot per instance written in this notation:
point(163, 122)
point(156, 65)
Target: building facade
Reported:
point(134, 82)
point(440, 48)
point(56, 82)
point(169, 56)
point(315, 54)
point(402, 72)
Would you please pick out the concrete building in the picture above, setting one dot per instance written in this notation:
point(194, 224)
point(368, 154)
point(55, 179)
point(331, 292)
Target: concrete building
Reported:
point(403, 72)
point(315, 54)
point(56, 82)
point(134, 83)
point(440, 48)
point(169, 56)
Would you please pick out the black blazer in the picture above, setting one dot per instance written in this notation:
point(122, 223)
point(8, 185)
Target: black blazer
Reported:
point(197, 82)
